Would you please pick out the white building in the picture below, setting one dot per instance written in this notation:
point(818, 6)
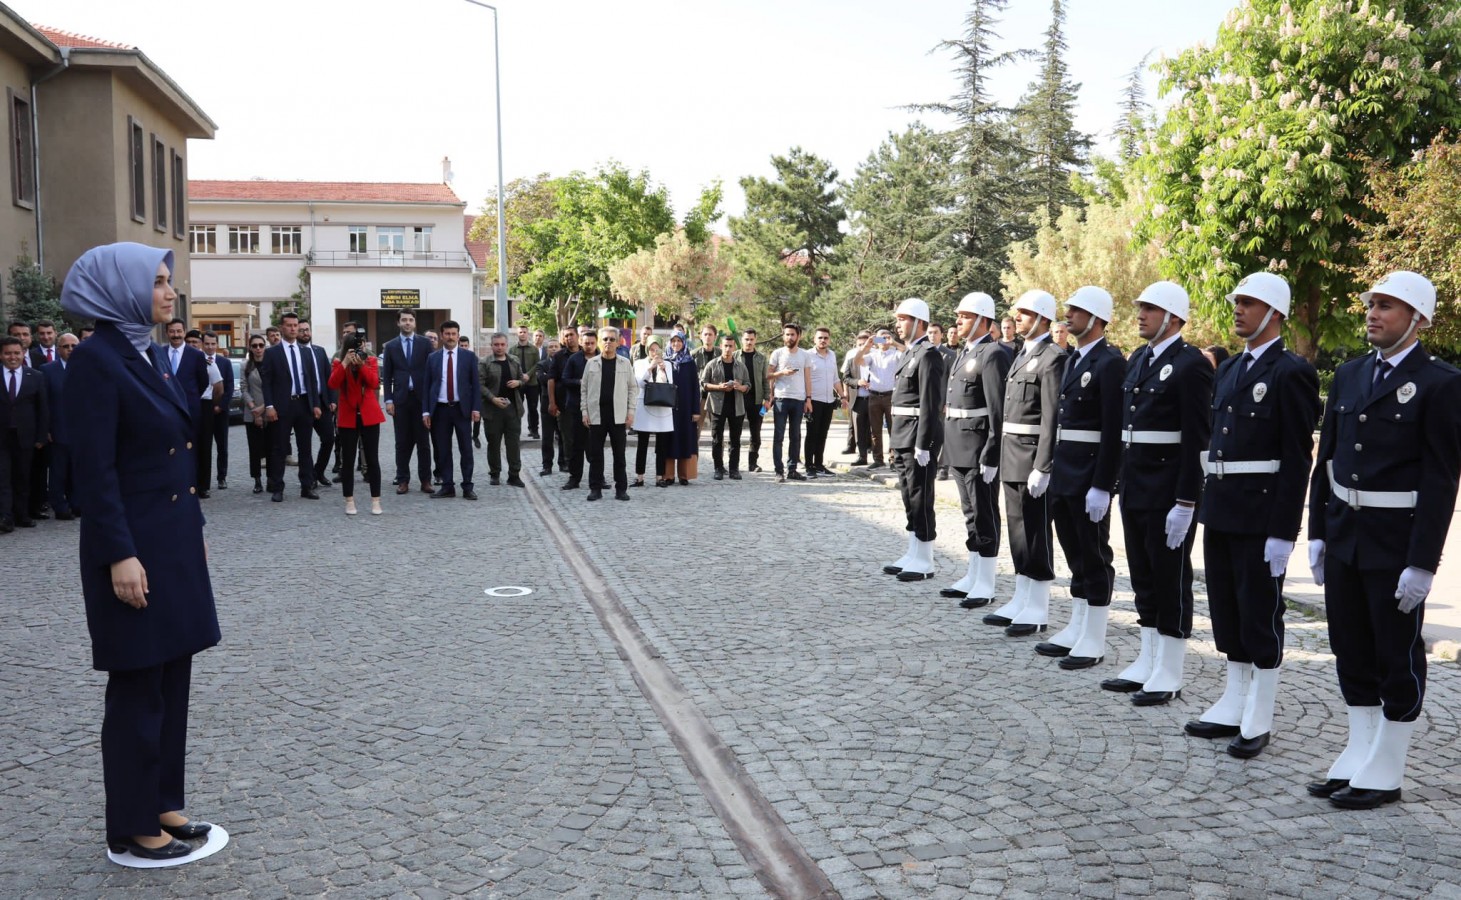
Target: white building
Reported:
point(367, 250)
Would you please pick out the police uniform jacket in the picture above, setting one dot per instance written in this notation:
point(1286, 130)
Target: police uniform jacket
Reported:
point(1264, 414)
point(919, 384)
point(1090, 400)
point(1402, 437)
point(137, 477)
point(1171, 396)
point(976, 381)
point(1031, 400)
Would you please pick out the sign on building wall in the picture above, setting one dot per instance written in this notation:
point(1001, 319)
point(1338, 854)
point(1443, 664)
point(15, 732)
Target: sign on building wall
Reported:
point(400, 298)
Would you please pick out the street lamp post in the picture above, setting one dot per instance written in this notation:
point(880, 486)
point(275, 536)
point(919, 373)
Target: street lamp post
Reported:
point(499, 309)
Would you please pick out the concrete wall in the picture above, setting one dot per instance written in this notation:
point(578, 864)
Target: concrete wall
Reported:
point(17, 223)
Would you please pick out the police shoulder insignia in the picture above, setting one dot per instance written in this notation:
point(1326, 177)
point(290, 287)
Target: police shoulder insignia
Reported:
point(1165, 373)
point(1406, 392)
point(1260, 390)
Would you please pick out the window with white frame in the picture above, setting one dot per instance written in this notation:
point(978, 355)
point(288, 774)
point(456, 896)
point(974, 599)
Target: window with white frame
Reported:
point(390, 239)
point(243, 239)
point(421, 239)
point(203, 238)
point(285, 239)
point(359, 239)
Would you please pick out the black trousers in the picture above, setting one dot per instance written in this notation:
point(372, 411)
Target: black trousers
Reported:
point(818, 424)
point(40, 470)
point(916, 484)
point(616, 436)
point(203, 446)
point(1160, 578)
point(411, 435)
point(325, 431)
point(575, 440)
point(530, 397)
point(16, 460)
point(1087, 547)
point(551, 441)
point(1378, 650)
point(449, 420)
point(753, 428)
point(1244, 599)
point(144, 740)
point(717, 441)
point(367, 438)
point(859, 434)
point(981, 511)
point(1032, 547)
point(296, 418)
point(221, 423)
point(60, 484)
point(661, 441)
point(260, 440)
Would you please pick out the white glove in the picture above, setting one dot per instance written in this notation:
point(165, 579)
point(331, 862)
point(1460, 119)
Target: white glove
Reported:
point(1276, 552)
point(1179, 520)
point(920, 457)
point(1098, 503)
point(1037, 482)
point(1316, 561)
point(1414, 585)
point(989, 473)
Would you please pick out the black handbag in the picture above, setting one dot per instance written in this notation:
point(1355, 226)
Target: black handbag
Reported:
point(660, 393)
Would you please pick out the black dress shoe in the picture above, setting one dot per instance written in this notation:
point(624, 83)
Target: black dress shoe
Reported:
point(1247, 748)
point(204, 495)
point(1120, 685)
point(469, 494)
point(684, 481)
point(258, 486)
point(975, 602)
point(547, 471)
point(860, 461)
point(64, 516)
point(794, 475)
point(1154, 698)
point(277, 496)
point(1045, 648)
point(25, 523)
point(173, 849)
point(443, 492)
point(534, 436)
point(1362, 798)
point(494, 481)
point(1023, 629)
point(570, 486)
point(906, 575)
point(1327, 787)
point(734, 475)
point(6, 526)
point(595, 494)
point(309, 494)
point(720, 476)
point(892, 570)
point(1200, 729)
point(322, 480)
point(1001, 621)
point(223, 484)
point(955, 593)
point(1073, 663)
point(621, 495)
point(188, 831)
point(514, 481)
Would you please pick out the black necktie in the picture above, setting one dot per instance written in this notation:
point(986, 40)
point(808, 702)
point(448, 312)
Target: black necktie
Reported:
point(1382, 368)
point(1244, 362)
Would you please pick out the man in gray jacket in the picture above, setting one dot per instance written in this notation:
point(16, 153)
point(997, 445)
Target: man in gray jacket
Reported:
point(725, 381)
point(610, 394)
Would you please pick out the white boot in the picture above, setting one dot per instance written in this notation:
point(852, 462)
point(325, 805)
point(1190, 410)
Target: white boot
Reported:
point(1036, 610)
point(1141, 667)
point(983, 587)
point(893, 568)
point(961, 587)
point(921, 565)
point(1258, 710)
point(1067, 636)
point(1006, 614)
point(1166, 674)
point(1228, 710)
point(1364, 723)
point(1384, 768)
point(1090, 646)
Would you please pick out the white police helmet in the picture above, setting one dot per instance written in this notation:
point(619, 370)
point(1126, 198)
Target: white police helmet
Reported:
point(977, 303)
point(1041, 303)
point(1265, 287)
point(1094, 300)
point(913, 307)
point(1415, 291)
point(1169, 297)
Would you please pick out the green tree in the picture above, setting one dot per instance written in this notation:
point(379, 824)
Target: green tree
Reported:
point(677, 278)
point(1134, 123)
point(525, 200)
point(1257, 164)
point(36, 292)
point(1047, 119)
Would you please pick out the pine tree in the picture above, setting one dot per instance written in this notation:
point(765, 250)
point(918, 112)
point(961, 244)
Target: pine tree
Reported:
point(36, 292)
point(1047, 122)
point(1135, 121)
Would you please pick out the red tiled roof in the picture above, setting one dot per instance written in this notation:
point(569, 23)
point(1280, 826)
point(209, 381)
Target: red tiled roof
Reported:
point(481, 250)
point(70, 39)
point(323, 191)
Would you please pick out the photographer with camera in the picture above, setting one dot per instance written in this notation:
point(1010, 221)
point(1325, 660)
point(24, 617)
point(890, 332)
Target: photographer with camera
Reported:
point(355, 376)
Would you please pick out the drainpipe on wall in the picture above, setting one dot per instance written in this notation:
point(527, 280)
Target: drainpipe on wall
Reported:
point(35, 149)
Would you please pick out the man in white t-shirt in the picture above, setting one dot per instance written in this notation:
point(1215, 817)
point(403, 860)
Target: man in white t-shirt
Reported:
point(826, 395)
point(790, 373)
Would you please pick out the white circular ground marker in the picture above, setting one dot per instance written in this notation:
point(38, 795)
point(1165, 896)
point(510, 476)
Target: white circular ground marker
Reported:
point(217, 840)
point(509, 590)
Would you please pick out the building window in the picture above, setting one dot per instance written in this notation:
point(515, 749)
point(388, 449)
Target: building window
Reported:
point(179, 196)
point(243, 239)
point(159, 185)
point(422, 238)
point(203, 238)
point(22, 152)
point(285, 239)
point(391, 240)
point(359, 239)
point(137, 165)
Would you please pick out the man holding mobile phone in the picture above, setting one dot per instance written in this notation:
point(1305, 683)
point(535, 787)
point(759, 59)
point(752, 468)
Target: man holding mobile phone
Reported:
point(790, 374)
point(882, 359)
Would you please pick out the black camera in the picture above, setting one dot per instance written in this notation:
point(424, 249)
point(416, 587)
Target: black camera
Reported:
point(354, 341)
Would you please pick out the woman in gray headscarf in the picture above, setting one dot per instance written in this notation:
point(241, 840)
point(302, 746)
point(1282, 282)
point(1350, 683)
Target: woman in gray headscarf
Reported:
point(144, 569)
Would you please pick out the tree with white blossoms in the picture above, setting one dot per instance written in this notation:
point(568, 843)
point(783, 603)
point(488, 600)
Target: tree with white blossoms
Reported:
point(1260, 162)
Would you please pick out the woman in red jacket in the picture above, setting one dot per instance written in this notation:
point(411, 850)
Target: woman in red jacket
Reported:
point(358, 417)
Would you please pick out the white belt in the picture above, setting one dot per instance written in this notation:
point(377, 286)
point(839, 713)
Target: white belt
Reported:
point(1014, 428)
point(1372, 499)
point(1240, 467)
point(1151, 437)
point(913, 411)
point(1077, 435)
point(979, 413)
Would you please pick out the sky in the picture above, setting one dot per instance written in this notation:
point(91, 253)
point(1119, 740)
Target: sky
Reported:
point(693, 91)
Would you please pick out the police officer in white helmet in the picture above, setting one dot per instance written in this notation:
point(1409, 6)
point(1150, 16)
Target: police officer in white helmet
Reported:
point(1265, 404)
point(1380, 504)
point(1165, 426)
point(917, 436)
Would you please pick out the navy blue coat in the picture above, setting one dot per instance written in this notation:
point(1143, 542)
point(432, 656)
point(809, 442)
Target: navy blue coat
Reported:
point(397, 376)
point(137, 477)
point(1090, 400)
point(1172, 395)
point(469, 388)
point(55, 375)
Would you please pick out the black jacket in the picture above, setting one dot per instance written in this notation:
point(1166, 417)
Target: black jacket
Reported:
point(1031, 400)
point(919, 384)
point(976, 381)
point(1172, 395)
point(1090, 400)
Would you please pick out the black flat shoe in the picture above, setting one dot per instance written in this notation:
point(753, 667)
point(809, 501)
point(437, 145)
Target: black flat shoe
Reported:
point(1045, 648)
point(1247, 748)
point(892, 570)
point(734, 475)
point(309, 494)
point(1074, 663)
point(954, 593)
point(188, 831)
point(258, 486)
point(469, 494)
point(1201, 729)
point(173, 849)
point(1001, 621)
point(975, 602)
point(621, 495)
point(1327, 787)
point(906, 575)
point(544, 472)
point(638, 482)
point(1154, 698)
point(1120, 685)
point(1024, 629)
point(684, 481)
point(1362, 798)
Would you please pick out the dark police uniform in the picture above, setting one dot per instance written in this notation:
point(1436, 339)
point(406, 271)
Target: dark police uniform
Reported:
point(1257, 467)
point(1381, 498)
point(974, 416)
point(1165, 425)
point(1031, 400)
point(918, 388)
point(1087, 455)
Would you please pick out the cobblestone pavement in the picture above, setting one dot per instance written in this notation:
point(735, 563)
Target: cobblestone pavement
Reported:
point(374, 725)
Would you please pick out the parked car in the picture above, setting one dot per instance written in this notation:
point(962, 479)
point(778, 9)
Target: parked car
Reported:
point(236, 403)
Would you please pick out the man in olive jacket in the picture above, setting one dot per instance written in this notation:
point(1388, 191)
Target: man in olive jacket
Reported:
point(503, 398)
point(727, 383)
point(610, 395)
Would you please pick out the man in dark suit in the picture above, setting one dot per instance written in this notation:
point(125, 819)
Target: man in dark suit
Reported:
point(292, 400)
point(917, 436)
point(24, 424)
point(43, 351)
point(325, 425)
point(973, 421)
point(193, 366)
point(1166, 422)
point(220, 404)
point(1265, 404)
point(403, 379)
point(1087, 461)
point(1380, 504)
point(1026, 456)
point(454, 392)
point(63, 504)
